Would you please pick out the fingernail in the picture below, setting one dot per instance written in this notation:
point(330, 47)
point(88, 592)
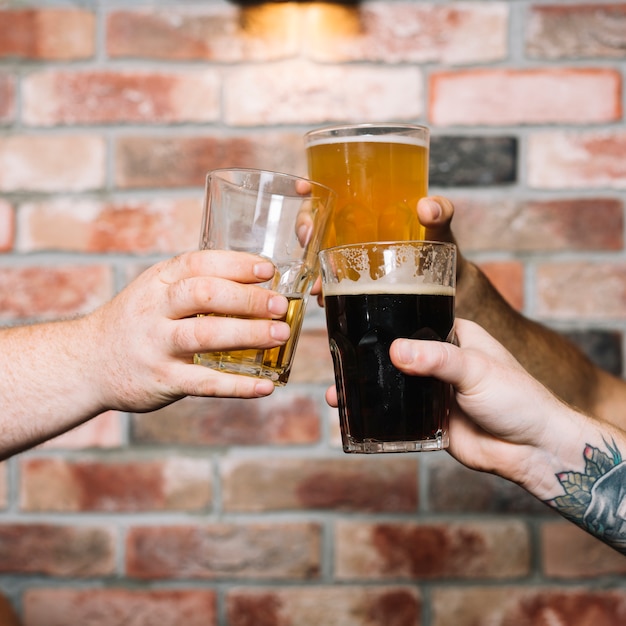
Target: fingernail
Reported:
point(264, 388)
point(435, 209)
point(280, 331)
point(405, 351)
point(278, 305)
point(264, 270)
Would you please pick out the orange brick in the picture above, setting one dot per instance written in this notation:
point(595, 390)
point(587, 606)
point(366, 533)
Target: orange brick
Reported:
point(61, 97)
point(102, 607)
point(176, 483)
point(511, 224)
point(312, 362)
point(287, 551)
point(398, 550)
point(579, 289)
point(103, 431)
point(47, 34)
point(51, 163)
point(268, 484)
point(568, 552)
point(85, 225)
point(298, 92)
point(592, 29)
point(157, 161)
point(406, 32)
point(527, 606)
point(282, 419)
point(37, 292)
point(7, 226)
point(577, 160)
point(520, 96)
point(348, 605)
point(7, 97)
point(55, 550)
point(216, 33)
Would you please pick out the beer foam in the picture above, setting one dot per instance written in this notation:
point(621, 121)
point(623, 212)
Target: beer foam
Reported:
point(411, 141)
point(374, 269)
point(349, 287)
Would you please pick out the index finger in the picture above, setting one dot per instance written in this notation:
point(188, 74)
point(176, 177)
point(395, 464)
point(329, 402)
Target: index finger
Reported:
point(231, 265)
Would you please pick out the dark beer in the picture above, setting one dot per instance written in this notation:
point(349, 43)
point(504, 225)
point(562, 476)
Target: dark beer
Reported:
point(378, 403)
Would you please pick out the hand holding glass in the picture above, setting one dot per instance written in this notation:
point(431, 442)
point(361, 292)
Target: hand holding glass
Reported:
point(280, 217)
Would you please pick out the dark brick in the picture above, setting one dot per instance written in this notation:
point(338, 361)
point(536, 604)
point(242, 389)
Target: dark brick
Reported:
point(603, 347)
point(472, 161)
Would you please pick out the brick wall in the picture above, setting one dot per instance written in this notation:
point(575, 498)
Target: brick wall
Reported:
point(237, 513)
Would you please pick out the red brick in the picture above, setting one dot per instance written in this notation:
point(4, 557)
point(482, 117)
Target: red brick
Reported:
point(298, 92)
point(62, 97)
point(527, 606)
point(286, 551)
point(84, 225)
point(7, 97)
point(103, 431)
point(37, 292)
point(525, 96)
point(47, 34)
point(564, 224)
point(573, 160)
point(406, 32)
point(173, 484)
point(55, 550)
point(281, 419)
point(314, 606)
point(155, 161)
point(51, 163)
point(397, 550)
point(105, 607)
point(568, 552)
point(312, 362)
point(508, 279)
point(579, 289)
point(7, 226)
point(589, 30)
point(252, 485)
point(217, 33)
point(4, 491)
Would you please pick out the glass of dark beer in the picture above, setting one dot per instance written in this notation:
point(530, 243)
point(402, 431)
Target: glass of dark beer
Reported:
point(277, 216)
point(373, 294)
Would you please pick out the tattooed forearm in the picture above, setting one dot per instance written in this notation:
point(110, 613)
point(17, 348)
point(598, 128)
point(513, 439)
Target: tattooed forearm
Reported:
point(595, 499)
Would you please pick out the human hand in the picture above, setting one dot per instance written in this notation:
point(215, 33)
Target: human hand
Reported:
point(502, 420)
point(143, 341)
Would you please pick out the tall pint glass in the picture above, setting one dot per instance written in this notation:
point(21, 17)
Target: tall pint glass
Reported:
point(379, 172)
point(373, 294)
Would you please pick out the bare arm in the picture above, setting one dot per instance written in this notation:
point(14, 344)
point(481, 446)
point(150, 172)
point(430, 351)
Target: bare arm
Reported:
point(547, 355)
point(135, 352)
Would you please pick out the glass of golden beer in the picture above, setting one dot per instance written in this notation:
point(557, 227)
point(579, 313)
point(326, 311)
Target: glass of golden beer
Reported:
point(379, 172)
point(280, 217)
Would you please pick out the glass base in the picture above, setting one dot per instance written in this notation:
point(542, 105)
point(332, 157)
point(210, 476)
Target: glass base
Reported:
point(249, 368)
point(372, 446)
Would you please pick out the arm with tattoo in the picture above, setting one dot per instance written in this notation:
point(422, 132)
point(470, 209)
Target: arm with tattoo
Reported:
point(505, 422)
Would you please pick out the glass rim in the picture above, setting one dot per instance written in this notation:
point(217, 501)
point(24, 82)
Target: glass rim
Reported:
point(259, 171)
point(400, 126)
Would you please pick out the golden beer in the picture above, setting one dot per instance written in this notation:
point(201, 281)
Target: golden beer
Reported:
point(379, 173)
point(273, 363)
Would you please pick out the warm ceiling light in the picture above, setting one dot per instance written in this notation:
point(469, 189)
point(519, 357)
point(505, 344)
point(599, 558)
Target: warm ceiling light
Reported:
point(319, 18)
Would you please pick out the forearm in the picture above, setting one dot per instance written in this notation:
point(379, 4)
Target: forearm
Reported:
point(45, 386)
point(581, 474)
point(545, 354)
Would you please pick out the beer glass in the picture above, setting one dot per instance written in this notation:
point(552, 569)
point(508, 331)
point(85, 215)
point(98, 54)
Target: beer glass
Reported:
point(379, 172)
point(280, 217)
point(374, 293)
